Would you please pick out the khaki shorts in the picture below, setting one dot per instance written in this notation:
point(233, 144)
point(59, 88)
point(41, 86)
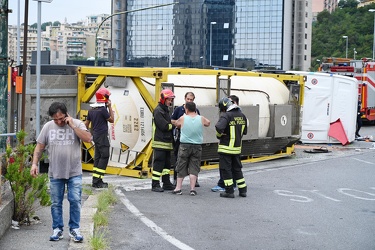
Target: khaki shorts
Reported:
point(188, 159)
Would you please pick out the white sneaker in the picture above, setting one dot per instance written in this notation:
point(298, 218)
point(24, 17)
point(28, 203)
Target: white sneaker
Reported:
point(57, 235)
point(76, 235)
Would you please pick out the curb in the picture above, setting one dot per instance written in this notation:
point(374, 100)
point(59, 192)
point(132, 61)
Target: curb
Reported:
point(6, 208)
point(6, 213)
point(87, 223)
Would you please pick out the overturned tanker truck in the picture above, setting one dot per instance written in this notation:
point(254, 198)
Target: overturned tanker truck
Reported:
point(271, 102)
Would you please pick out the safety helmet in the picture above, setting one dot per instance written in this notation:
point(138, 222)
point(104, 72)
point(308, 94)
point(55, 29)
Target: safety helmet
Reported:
point(224, 104)
point(102, 95)
point(166, 94)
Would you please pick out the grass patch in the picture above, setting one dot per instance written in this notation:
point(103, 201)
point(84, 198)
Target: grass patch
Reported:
point(100, 241)
point(106, 199)
point(100, 219)
point(87, 190)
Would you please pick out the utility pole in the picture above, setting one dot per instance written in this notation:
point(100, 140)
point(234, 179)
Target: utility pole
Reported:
point(3, 72)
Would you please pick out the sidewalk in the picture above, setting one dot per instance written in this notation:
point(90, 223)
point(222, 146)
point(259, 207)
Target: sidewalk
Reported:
point(36, 236)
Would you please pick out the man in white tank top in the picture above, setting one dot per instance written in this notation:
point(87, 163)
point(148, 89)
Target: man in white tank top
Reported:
point(190, 150)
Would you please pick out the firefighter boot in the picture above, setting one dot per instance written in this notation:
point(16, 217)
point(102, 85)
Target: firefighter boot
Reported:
point(98, 183)
point(167, 184)
point(243, 191)
point(156, 186)
point(229, 192)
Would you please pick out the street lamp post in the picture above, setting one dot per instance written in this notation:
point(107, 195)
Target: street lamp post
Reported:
point(120, 13)
point(346, 50)
point(38, 66)
point(373, 45)
point(354, 53)
point(211, 42)
point(18, 35)
point(234, 55)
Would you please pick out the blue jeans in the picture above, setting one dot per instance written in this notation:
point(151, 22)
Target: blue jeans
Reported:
point(57, 187)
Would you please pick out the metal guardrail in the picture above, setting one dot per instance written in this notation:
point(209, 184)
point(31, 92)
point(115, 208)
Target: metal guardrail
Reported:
point(3, 146)
point(8, 134)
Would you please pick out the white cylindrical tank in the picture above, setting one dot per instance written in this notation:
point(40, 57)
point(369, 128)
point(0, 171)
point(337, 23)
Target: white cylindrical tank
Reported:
point(250, 90)
point(133, 119)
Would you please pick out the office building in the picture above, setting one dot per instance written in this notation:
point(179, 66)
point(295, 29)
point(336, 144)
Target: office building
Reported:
point(257, 34)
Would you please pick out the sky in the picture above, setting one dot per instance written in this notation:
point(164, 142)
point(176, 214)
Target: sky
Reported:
point(58, 10)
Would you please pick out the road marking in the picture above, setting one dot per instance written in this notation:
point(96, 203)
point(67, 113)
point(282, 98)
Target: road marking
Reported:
point(290, 194)
point(323, 195)
point(300, 231)
point(149, 223)
point(343, 191)
point(371, 163)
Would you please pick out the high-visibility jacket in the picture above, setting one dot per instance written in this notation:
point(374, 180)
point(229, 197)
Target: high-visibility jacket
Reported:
point(230, 128)
point(162, 135)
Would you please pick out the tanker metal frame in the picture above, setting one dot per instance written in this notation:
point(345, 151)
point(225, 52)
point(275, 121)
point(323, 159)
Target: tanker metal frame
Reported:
point(135, 161)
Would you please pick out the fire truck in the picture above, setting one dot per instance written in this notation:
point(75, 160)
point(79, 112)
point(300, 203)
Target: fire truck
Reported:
point(364, 71)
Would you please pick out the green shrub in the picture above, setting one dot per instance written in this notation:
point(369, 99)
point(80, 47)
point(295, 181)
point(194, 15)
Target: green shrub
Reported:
point(25, 188)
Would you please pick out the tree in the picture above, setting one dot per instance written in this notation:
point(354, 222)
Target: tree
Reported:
point(328, 30)
point(348, 4)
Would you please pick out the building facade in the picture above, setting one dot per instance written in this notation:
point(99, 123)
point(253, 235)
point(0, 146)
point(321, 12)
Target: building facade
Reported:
point(66, 41)
point(257, 34)
point(31, 43)
point(320, 5)
point(365, 2)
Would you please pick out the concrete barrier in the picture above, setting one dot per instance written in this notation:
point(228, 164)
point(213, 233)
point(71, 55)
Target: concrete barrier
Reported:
point(6, 209)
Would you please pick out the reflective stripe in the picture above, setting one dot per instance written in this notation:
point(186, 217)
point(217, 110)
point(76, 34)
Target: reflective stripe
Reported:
point(240, 180)
point(166, 171)
point(241, 183)
point(97, 176)
point(228, 182)
point(229, 150)
point(156, 175)
point(162, 145)
point(232, 135)
point(99, 170)
point(153, 131)
point(218, 134)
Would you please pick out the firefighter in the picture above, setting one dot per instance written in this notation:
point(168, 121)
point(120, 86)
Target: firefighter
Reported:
point(99, 116)
point(230, 128)
point(162, 139)
point(359, 118)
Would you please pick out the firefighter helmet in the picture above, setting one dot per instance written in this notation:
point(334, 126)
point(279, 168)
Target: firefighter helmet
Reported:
point(102, 95)
point(224, 104)
point(166, 94)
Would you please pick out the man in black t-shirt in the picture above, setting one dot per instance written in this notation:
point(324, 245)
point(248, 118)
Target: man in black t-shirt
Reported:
point(99, 117)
